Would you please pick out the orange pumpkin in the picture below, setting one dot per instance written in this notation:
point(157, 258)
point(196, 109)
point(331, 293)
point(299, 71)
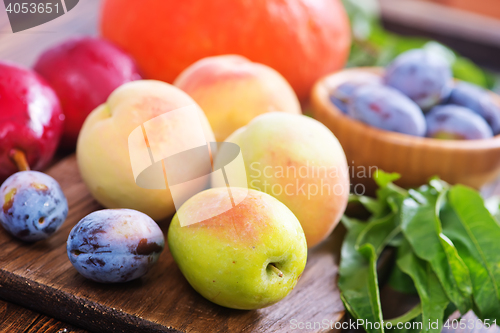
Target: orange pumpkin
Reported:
point(302, 39)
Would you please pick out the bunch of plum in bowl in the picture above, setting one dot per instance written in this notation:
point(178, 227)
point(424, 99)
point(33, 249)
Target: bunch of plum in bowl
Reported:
point(413, 118)
point(417, 95)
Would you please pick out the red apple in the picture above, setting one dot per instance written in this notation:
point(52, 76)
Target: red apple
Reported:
point(84, 72)
point(31, 118)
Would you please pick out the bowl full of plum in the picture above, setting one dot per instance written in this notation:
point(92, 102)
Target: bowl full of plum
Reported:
point(413, 118)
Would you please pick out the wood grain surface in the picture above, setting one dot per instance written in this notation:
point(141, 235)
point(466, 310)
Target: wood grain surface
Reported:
point(15, 318)
point(39, 276)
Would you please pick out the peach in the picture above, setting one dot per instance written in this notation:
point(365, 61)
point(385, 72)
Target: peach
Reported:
point(106, 149)
point(232, 91)
point(247, 257)
point(300, 162)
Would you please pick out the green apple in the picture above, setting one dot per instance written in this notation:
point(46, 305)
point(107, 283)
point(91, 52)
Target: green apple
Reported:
point(244, 256)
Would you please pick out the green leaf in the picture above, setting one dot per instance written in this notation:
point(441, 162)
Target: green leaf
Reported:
point(391, 198)
point(383, 178)
point(448, 252)
point(476, 235)
point(389, 195)
point(422, 229)
point(410, 315)
point(411, 326)
point(432, 296)
point(372, 205)
point(401, 281)
point(396, 241)
point(493, 206)
point(466, 70)
point(350, 222)
point(379, 232)
point(449, 311)
point(358, 281)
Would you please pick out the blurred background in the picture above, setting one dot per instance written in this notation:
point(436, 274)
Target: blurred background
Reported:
point(467, 31)
point(384, 28)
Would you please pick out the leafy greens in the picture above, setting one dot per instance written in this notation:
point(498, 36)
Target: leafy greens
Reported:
point(447, 246)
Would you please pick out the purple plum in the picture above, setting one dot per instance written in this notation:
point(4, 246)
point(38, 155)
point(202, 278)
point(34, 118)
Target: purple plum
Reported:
point(340, 104)
point(33, 205)
point(422, 75)
point(388, 109)
point(478, 100)
point(115, 245)
point(456, 123)
point(341, 95)
point(84, 71)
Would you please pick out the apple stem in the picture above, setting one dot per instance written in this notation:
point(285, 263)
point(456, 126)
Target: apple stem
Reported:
point(276, 270)
point(19, 159)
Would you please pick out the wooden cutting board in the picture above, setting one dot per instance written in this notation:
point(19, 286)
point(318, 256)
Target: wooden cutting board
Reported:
point(40, 277)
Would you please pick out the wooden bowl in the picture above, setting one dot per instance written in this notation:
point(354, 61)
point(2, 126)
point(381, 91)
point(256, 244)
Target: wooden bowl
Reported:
point(470, 162)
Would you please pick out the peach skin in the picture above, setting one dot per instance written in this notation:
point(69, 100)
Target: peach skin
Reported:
point(103, 145)
point(232, 91)
point(299, 161)
point(248, 257)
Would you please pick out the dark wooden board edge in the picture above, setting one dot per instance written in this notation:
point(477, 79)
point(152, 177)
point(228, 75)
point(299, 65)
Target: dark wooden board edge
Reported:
point(58, 304)
point(15, 318)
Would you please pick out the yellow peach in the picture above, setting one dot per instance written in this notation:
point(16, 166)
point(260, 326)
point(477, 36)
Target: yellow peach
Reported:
point(232, 91)
point(104, 149)
point(300, 162)
point(247, 257)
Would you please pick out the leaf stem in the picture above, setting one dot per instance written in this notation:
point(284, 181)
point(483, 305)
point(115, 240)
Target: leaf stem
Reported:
point(412, 314)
